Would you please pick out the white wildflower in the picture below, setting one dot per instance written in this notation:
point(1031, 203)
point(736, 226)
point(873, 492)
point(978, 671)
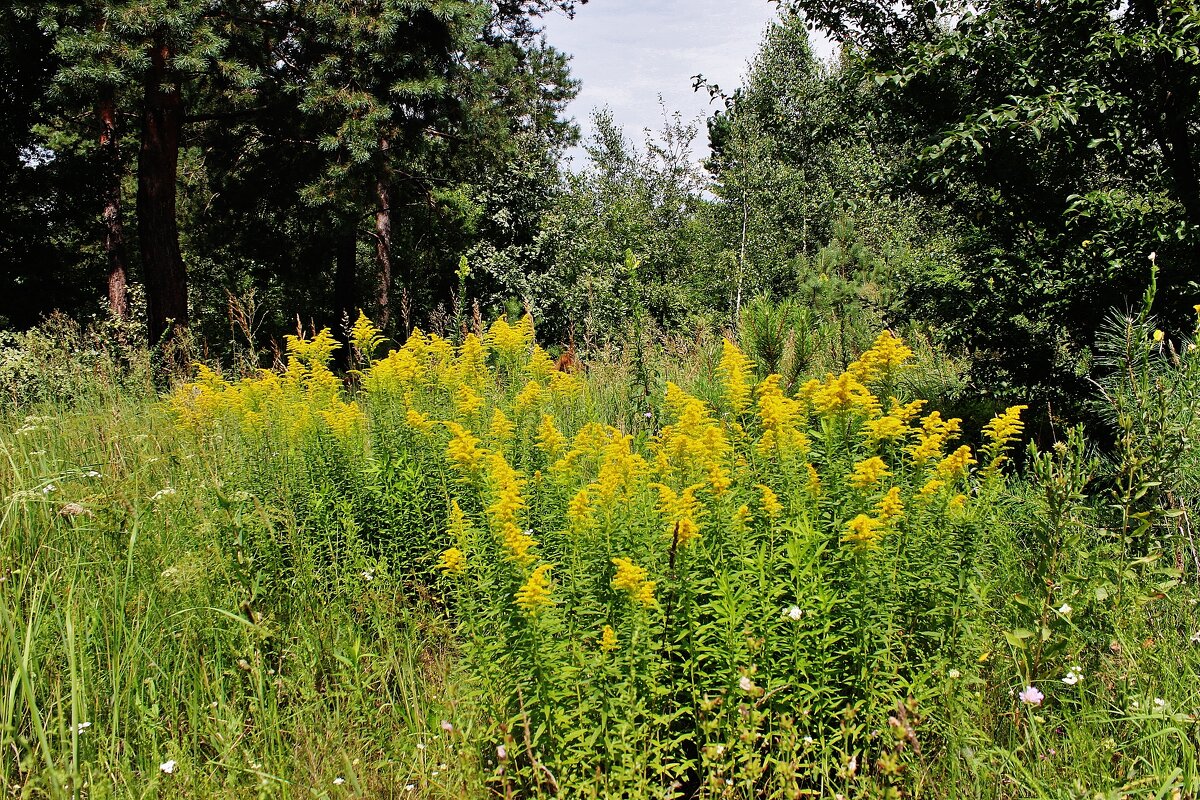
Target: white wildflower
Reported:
point(168, 767)
point(793, 613)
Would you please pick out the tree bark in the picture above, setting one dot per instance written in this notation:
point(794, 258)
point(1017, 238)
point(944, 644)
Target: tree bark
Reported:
point(114, 230)
point(158, 169)
point(383, 246)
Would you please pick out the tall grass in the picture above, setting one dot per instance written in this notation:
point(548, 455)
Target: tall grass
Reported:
point(281, 587)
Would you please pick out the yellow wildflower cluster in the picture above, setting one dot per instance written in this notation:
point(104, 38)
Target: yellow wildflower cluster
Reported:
point(881, 360)
point(632, 579)
point(608, 639)
point(453, 561)
point(868, 472)
point(305, 397)
point(534, 594)
point(1001, 432)
point(735, 371)
point(681, 510)
point(694, 446)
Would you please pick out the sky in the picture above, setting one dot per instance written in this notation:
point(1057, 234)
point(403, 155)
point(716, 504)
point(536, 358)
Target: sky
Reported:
point(628, 52)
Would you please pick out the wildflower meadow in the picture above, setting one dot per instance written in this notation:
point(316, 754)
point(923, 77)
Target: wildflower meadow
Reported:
point(457, 569)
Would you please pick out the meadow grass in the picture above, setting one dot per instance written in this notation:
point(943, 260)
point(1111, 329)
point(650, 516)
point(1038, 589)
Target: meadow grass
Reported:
point(281, 586)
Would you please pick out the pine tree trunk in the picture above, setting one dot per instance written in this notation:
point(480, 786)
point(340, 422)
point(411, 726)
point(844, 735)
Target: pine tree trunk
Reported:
point(114, 231)
point(158, 167)
point(383, 249)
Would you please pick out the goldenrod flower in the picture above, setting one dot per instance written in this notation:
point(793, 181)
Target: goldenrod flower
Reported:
point(528, 398)
point(890, 507)
point(813, 483)
point(931, 487)
point(365, 336)
point(632, 579)
point(508, 340)
point(842, 394)
point(466, 401)
point(418, 421)
point(608, 639)
point(453, 561)
point(534, 594)
point(770, 501)
point(955, 465)
point(579, 509)
point(868, 472)
point(1006, 427)
point(863, 532)
point(881, 360)
point(501, 427)
point(681, 511)
point(735, 370)
point(549, 440)
point(463, 450)
point(518, 543)
point(1001, 432)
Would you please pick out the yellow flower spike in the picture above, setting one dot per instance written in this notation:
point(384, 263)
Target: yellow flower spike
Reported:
point(365, 336)
point(457, 523)
point(868, 472)
point(534, 594)
point(863, 532)
point(472, 359)
point(682, 511)
point(1001, 432)
point(505, 484)
point(518, 543)
point(565, 385)
point(1005, 428)
point(813, 483)
point(885, 429)
point(931, 487)
point(549, 440)
point(463, 450)
point(579, 510)
point(501, 428)
point(466, 401)
point(770, 501)
point(955, 465)
point(608, 639)
point(882, 359)
point(540, 364)
point(742, 517)
point(735, 370)
point(453, 562)
point(508, 340)
point(632, 579)
point(957, 503)
point(844, 394)
point(890, 508)
point(528, 398)
point(418, 421)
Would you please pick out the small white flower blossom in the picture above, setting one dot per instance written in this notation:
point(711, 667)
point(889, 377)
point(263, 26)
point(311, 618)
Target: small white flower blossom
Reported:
point(746, 684)
point(168, 767)
point(91, 473)
point(83, 726)
point(954, 674)
point(1196, 637)
point(420, 745)
point(1160, 703)
point(368, 575)
point(501, 752)
point(161, 493)
point(339, 780)
point(48, 488)
point(793, 613)
point(1065, 609)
